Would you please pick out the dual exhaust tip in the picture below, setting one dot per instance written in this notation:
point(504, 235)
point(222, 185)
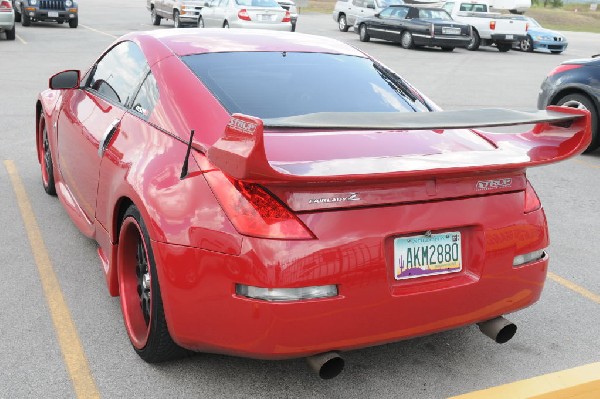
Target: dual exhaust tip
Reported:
point(329, 365)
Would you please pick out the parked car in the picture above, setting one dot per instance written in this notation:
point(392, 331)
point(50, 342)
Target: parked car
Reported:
point(290, 6)
point(249, 14)
point(7, 19)
point(575, 83)
point(415, 26)
point(294, 210)
point(182, 12)
point(539, 38)
point(346, 12)
point(489, 28)
point(61, 11)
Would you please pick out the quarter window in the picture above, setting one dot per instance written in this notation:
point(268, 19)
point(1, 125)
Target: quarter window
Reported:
point(117, 75)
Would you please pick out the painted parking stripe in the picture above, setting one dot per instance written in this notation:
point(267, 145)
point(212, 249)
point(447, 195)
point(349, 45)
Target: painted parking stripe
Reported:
point(98, 31)
point(587, 163)
point(20, 39)
point(574, 287)
point(68, 339)
point(577, 383)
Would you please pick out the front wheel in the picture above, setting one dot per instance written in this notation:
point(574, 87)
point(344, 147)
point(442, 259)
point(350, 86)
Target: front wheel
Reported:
point(139, 291)
point(475, 41)
point(176, 20)
point(343, 23)
point(503, 47)
point(73, 22)
point(406, 40)
point(45, 157)
point(200, 22)
point(154, 17)
point(25, 19)
point(226, 25)
point(526, 44)
point(580, 101)
point(363, 34)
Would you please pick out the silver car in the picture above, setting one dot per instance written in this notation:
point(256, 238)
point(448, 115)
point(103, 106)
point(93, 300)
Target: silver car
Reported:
point(252, 14)
point(7, 19)
point(182, 12)
point(346, 12)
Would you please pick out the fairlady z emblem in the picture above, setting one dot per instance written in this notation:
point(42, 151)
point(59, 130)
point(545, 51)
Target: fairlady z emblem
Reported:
point(349, 197)
point(242, 126)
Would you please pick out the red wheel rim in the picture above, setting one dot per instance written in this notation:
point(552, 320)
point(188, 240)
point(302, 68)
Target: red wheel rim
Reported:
point(134, 282)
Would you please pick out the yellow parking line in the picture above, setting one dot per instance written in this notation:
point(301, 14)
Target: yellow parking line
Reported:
point(21, 39)
point(577, 383)
point(574, 287)
point(68, 339)
point(98, 31)
point(587, 163)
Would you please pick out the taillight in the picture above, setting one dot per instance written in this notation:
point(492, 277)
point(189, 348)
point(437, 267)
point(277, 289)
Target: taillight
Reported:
point(5, 6)
point(243, 14)
point(287, 17)
point(564, 68)
point(492, 25)
point(532, 201)
point(253, 211)
point(526, 27)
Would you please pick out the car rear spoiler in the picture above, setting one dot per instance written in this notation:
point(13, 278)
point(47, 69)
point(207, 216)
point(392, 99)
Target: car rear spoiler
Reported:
point(558, 133)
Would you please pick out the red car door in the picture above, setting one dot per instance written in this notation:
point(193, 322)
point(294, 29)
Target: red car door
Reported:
point(91, 115)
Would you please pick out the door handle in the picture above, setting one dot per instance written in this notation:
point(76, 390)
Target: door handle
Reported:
point(110, 131)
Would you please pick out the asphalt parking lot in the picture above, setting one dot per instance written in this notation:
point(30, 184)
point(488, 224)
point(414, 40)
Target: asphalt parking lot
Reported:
point(42, 356)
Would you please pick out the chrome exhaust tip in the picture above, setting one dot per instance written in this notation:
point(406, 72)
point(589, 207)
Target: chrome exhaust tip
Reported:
point(499, 329)
point(327, 365)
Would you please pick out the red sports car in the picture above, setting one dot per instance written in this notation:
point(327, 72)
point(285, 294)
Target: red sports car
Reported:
point(243, 204)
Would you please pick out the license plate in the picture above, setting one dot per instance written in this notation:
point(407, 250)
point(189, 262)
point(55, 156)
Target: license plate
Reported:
point(509, 37)
point(427, 255)
point(266, 17)
point(53, 14)
point(450, 31)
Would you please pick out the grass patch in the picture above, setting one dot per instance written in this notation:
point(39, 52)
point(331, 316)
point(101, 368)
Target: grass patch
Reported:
point(570, 17)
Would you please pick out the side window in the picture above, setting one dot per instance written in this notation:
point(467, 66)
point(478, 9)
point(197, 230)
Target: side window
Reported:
point(117, 75)
point(369, 4)
point(387, 12)
point(147, 97)
point(357, 3)
point(448, 7)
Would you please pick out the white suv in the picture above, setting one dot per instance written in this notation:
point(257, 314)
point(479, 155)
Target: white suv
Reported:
point(346, 12)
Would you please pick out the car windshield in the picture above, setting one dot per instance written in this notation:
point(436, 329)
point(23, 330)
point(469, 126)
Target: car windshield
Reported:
point(534, 23)
point(434, 14)
point(280, 84)
point(257, 3)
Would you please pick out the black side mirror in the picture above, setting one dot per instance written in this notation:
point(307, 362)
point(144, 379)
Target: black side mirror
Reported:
point(206, 4)
point(372, 6)
point(377, 15)
point(65, 80)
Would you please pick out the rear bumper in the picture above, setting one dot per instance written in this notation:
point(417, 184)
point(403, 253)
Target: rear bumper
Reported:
point(7, 20)
point(205, 314)
point(501, 38)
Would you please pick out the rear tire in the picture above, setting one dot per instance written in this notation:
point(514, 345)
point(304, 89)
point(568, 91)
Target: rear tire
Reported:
point(17, 16)
point(74, 22)
point(406, 40)
point(139, 291)
point(200, 22)
point(526, 45)
point(475, 42)
point(363, 34)
point(11, 34)
point(503, 47)
point(45, 158)
point(343, 23)
point(581, 101)
point(225, 25)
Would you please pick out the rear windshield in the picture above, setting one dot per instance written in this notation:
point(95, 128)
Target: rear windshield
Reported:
point(280, 84)
point(434, 14)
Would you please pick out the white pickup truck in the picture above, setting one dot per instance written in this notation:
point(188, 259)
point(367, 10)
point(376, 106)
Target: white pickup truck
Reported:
point(488, 28)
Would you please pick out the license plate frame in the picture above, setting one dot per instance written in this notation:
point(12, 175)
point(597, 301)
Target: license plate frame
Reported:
point(52, 14)
point(266, 17)
point(419, 255)
point(509, 37)
point(446, 30)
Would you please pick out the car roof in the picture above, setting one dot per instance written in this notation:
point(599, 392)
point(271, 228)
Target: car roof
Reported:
point(184, 42)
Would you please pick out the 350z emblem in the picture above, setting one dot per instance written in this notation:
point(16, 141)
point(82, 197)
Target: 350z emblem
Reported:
point(493, 184)
point(328, 200)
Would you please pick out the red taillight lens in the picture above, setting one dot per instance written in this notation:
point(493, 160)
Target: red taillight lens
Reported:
point(492, 25)
point(253, 211)
point(243, 15)
point(564, 68)
point(5, 6)
point(287, 17)
point(532, 201)
point(526, 27)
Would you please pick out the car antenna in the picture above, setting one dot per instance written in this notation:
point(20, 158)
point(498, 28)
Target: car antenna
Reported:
point(184, 169)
